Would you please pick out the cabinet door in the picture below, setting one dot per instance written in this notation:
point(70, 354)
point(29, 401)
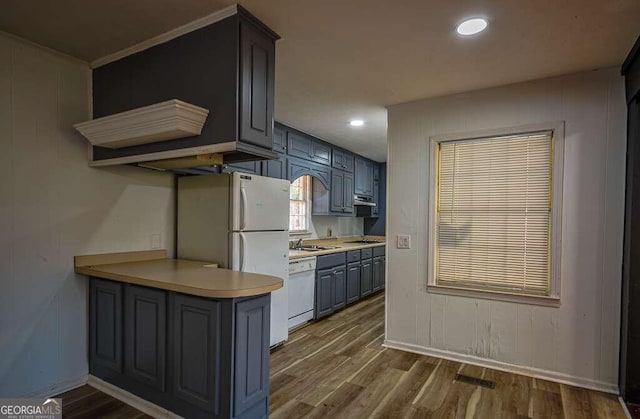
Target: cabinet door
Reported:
point(364, 177)
point(366, 277)
point(324, 297)
point(376, 199)
point(257, 66)
point(342, 160)
point(251, 375)
point(322, 173)
point(105, 331)
point(339, 287)
point(347, 187)
point(279, 140)
point(337, 192)
point(250, 167)
point(353, 282)
point(145, 335)
point(299, 146)
point(274, 168)
point(321, 153)
point(377, 276)
point(195, 344)
point(376, 171)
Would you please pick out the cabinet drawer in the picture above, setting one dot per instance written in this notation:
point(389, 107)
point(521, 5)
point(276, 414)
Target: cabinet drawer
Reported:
point(379, 251)
point(353, 256)
point(367, 253)
point(329, 261)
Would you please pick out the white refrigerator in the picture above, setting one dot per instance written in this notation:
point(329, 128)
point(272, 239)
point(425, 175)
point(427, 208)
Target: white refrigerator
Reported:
point(241, 222)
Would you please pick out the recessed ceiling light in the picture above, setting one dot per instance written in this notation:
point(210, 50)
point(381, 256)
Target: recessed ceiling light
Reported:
point(356, 122)
point(472, 26)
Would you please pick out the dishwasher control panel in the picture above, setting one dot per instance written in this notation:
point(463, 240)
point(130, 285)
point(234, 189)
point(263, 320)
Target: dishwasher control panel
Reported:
point(302, 265)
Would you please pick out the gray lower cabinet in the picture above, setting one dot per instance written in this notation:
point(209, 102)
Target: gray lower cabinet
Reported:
point(198, 357)
point(366, 277)
point(330, 290)
point(379, 264)
point(324, 294)
point(353, 282)
point(105, 348)
point(145, 331)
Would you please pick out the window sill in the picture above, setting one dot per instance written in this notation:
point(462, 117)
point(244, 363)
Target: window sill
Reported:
point(300, 234)
point(495, 295)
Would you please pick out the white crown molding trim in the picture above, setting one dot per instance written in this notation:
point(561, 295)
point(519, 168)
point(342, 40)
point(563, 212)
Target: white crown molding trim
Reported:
point(132, 400)
point(43, 48)
point(506, 367)
point(168, 120)
point(58, 388)
point(167, 36)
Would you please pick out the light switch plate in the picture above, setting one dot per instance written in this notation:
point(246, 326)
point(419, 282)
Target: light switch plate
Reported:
point(404, 241)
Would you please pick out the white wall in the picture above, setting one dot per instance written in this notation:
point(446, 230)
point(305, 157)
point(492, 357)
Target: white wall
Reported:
point(52, 207)
point(577, 342)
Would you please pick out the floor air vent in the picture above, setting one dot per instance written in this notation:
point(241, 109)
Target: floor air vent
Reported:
point(475, 381)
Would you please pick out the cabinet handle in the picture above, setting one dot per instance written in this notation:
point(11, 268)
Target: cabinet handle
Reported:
point(335, 273)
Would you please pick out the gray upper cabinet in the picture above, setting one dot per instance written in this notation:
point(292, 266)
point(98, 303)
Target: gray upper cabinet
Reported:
point(343, 160)
point(305, 147)
point(298, 167)
point(299, 146)
point(250, 167)
point(321, 153)
point(257, 63)
point(376, 172)
point(275, 168)
point(341, 192)
point(364, 177)
point(279, 140)
point(375, 211)
point(226, 67)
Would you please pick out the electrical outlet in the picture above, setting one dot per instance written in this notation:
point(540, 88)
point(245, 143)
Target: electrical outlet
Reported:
point(156, 240)
point(404, 241)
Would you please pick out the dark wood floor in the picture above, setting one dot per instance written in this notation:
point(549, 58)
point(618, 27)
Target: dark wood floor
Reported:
point(87, 402)
point(337, 368)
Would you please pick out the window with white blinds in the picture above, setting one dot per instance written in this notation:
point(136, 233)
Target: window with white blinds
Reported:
point(493, 214)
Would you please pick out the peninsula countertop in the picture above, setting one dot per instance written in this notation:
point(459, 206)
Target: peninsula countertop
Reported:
point(153, 269)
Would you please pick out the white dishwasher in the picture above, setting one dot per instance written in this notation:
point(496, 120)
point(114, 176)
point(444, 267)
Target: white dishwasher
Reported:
point(301, 286)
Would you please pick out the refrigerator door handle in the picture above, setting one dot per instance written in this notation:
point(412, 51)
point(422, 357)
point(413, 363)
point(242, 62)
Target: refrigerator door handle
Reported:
point(242, 242)
point(243, 205)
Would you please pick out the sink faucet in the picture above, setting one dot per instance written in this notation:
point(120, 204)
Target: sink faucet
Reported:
point(298, 243)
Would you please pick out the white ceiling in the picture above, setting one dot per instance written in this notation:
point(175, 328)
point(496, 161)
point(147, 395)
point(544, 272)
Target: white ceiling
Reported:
point(341, 59)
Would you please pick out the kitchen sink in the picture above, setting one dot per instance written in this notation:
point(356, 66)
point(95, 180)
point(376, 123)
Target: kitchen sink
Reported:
point(313, 248)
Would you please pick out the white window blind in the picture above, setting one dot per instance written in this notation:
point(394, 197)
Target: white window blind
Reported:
point(493, 217)
point(299, 204)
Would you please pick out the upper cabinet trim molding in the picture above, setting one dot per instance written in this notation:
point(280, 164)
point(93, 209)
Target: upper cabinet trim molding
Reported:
point(167, 36)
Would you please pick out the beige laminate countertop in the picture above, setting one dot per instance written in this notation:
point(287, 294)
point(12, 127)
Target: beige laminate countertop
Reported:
point(185, 276)
point(341, 246)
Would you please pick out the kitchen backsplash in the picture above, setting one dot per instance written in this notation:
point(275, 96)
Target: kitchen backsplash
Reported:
point(339, 226)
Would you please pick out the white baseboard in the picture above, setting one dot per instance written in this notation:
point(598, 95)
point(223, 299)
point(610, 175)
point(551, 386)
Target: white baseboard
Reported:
point(131, 399)
point(625, 408)
point(503, 366)
point(57, 388)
